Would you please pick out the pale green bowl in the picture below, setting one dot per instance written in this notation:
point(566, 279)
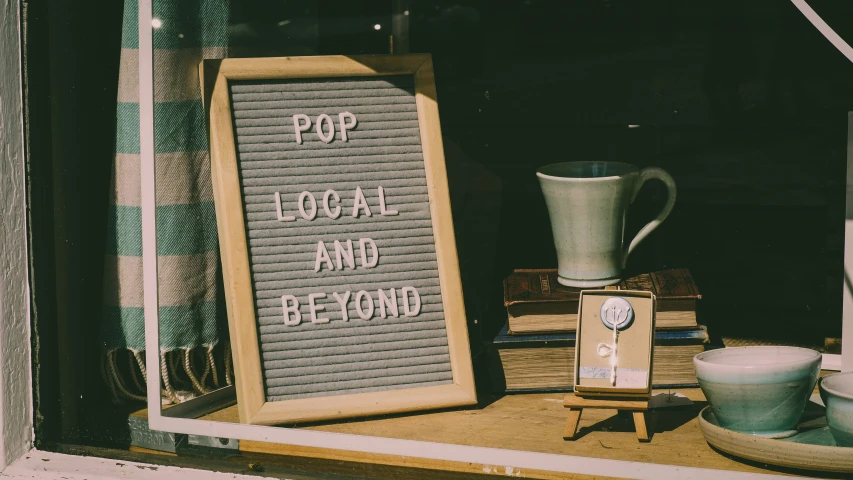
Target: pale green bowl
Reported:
point(758, 390)
point(836, 390)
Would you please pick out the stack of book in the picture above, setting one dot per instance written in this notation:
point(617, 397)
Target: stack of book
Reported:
point(536, 348)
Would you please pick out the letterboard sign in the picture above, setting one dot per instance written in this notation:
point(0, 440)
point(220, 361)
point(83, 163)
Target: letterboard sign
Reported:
point(342, 281)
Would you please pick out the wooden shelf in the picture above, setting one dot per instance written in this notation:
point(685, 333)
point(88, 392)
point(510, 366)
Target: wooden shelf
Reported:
point(530, 422)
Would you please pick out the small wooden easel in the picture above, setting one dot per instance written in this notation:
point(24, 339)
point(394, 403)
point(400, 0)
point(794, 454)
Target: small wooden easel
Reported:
point(637, 407)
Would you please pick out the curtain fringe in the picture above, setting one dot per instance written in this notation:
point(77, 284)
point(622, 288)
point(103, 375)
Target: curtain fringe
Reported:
point(179, 380)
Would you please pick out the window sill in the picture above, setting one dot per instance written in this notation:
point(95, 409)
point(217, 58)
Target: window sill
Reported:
point(528, 429)
point(50, 465)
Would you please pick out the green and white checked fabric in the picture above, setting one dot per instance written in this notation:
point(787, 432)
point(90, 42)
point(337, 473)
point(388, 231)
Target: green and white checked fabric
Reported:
point(191, 313)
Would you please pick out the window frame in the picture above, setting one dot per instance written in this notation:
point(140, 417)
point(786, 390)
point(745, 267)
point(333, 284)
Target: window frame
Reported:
point(16, 396)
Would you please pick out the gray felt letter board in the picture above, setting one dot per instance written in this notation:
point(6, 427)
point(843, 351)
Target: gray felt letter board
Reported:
point(342, 240)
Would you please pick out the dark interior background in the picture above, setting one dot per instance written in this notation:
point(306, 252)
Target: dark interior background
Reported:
point(744, 103)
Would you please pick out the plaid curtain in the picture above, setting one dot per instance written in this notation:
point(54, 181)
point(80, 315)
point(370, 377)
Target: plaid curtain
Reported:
point(191, 313)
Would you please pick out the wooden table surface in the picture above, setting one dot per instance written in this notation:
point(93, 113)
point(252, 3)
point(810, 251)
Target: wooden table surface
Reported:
point(527, 422)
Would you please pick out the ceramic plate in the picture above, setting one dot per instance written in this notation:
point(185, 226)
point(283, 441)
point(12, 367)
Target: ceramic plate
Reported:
point(811, 449)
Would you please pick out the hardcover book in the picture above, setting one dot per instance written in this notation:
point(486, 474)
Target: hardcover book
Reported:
point(537, 303)
point(545, 362)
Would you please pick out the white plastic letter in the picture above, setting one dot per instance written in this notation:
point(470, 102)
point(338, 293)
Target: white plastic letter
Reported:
point(343, 303)
point(327, 204)
point(346, 126)
point(408, 310)
point(362, 245)
point(322, 257)
point(327, 119)
point(360, 203)
point(301, 204)
point(278, 213)
point(388, 302)
point(316, 308)
point(382, 208)
point(359, 297)
point(301, 128)
point(291, 309)
point(341, 255)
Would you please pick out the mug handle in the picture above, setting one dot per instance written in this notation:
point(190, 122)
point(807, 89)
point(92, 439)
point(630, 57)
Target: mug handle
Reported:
point(645, 175)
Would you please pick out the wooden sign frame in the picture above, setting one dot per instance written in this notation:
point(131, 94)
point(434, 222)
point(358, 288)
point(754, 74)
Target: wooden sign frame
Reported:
point(252, 405)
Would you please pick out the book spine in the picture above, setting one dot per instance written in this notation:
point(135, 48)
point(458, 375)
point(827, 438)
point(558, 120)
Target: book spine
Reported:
point(691, 336)
point(571, 389)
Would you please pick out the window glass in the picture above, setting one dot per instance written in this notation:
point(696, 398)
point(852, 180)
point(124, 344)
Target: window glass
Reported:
point(744, 105)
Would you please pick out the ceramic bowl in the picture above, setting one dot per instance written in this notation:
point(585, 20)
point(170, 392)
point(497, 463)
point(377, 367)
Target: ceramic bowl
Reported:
point(758, 390)
point(836, 390)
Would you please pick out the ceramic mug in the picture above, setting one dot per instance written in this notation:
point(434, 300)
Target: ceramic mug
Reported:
point(588, 203)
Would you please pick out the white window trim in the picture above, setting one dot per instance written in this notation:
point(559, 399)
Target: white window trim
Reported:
point(15, 375)
point(16, 412)
point(845, 362)
point(488, 457)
